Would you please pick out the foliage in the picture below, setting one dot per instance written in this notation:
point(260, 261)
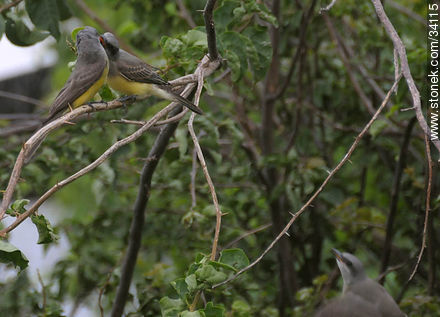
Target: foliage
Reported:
point(314, 122)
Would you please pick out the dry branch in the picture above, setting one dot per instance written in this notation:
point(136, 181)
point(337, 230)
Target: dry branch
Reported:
point(319, 190)
point(401, 51)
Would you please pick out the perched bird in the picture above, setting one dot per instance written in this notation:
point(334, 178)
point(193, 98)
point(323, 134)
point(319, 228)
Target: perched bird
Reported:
point(132, 76)
point(89, 74)
point(361, 296)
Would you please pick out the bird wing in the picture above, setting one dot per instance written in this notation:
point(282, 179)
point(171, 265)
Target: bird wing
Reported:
point(80, 80)
point(375, 294)
point(134, 69)
point(349, 305)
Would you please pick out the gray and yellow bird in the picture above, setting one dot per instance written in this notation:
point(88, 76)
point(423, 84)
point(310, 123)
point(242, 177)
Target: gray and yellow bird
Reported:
point(361, 296)
point(132, 76)
point(89, 74)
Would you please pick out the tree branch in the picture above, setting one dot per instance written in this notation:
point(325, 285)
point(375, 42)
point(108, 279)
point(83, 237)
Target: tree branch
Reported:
point(427, 206)
point(210, 29)
point(137, 223)
point(319, 190)
point(9, 5)
point(395, 197)
point(398, 45)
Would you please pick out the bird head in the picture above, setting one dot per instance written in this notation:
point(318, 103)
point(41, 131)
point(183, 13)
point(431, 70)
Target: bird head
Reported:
point(110, 44)
point(350, 266)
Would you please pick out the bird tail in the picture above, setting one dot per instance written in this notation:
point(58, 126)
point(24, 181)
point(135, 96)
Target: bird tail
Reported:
point(167, 93)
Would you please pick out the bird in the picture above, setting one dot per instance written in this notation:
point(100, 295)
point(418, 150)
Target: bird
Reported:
point(361, 296)
point(88, 76)
point(132, 76)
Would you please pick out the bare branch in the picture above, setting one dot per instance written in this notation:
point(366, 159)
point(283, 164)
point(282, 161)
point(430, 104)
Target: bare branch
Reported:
point(427, 207)
point(398, 45)
point(39, 136)
point(210, 29)
point(205, 68)
point(184, 13)
point(19, 97)
point(84, 170)
point(318, 191)
point(395, 196)
point(327, 8)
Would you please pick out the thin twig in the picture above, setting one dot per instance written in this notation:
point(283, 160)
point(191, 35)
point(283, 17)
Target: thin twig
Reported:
point(246, 234)
point(19, 97)
point(427, 207)
point(206, 68)
point(43, 290)
point(407, 11)
point(327, 8)
point(395, 191)
point(89, 167)
point(318, 191)
point(184, 13)
point(401, 50)
point(9, 5)
point(39, 136)
point(205, 171)
point(193, 180)
point(218, 212)
point(101, 292)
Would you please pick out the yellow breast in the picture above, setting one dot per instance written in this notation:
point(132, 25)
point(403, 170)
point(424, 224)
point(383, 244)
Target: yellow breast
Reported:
point(91, 92)
point(125, 86)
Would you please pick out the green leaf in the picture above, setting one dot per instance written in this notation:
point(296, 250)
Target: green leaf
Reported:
point(196, 38)
point(212, 310)
point(207, 273)
point(19, 34)
point(46, 233)
point(171, 46)
point(75, 32)
point(235, 258)
point(377, 127)
point(219, 265)
point(191, 314)
point(262, 11)
point(63, 10)
point(171, 307)
point(223, 15)
point(241, 308)
point(44, 14)
point(260, 39)
point(17, 207)
point(10, 254)
point(191, 282)
point(181, 287)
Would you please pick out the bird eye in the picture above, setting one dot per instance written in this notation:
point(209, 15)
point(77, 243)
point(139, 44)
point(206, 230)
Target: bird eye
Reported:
point(349, 263)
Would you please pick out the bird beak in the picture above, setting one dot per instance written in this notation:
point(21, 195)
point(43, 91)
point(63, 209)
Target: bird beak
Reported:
point(101, 39)
point(338, 255)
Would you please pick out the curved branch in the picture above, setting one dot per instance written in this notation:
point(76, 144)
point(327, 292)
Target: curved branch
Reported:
point(39, 136)
point(400, 48)
point(86, 169)
point(319, 190)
